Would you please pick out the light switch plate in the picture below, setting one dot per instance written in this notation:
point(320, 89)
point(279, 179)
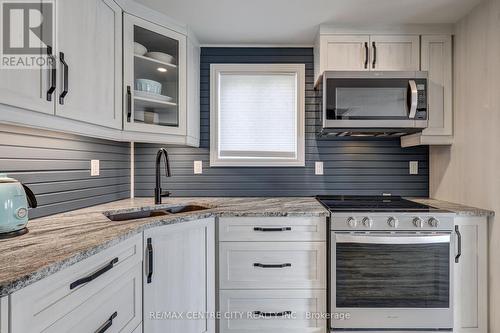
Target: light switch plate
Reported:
point(413, 167)
point(318, 168)
point(198, 167)
point(94, 167)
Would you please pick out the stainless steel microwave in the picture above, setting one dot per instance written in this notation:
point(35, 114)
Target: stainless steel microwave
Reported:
point(374, 103)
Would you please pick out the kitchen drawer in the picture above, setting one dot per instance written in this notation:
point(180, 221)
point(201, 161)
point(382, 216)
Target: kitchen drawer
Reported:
point(39, 305)
point(262, 229)
point(266, 265)
point(252, 311)
point(119, 305)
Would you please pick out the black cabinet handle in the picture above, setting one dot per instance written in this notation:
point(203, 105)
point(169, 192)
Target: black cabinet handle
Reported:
point(272, 229)
point(272, 314)
point(93, 276)
point(366, 55)
point(257, 264)
point(129, 103)
point(65, 78)
point(457, 257)
point(53, 73)
point(149, 253)
point(374, 54)
point(104, 327)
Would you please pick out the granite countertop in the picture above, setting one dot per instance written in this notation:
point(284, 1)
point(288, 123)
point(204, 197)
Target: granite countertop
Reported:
point(458, 209)
point(58, 241)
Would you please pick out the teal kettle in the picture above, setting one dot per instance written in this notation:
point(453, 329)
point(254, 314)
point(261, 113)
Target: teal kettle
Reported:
point(15, 199)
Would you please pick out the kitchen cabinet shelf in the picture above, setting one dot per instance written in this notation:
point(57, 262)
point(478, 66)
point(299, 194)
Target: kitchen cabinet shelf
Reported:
point(142, 103)
point(147, 68)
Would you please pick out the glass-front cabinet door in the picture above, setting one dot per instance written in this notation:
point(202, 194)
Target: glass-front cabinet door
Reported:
point(154, 78)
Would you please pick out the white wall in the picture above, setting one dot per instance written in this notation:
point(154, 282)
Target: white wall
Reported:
point(469, 171)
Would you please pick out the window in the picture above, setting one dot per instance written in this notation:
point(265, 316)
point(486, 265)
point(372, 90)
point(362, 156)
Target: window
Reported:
point(257, 114)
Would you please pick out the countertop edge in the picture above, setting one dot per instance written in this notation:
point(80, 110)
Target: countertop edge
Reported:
point(12, 286)
point(458, 209)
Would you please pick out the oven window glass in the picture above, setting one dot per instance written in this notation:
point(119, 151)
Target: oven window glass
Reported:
point(374, 275)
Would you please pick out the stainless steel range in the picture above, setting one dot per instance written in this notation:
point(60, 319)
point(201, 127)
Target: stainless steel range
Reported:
point(390, 265)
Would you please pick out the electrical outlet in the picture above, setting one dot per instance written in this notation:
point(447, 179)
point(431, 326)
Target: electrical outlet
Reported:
point(198, 167)
point(318, 168)
point(413, 167)
point(94, 167)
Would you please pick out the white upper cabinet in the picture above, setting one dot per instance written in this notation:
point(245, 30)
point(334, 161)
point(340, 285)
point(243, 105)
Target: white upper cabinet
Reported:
point(395, 52)
point(154, 78)
point(89, 44)
point(28, 88)
point(338, 52)
point(345, 53)
point(93, 88)
point(437, 61)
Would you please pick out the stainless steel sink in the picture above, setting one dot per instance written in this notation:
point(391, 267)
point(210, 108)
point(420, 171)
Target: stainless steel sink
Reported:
point(153, 212)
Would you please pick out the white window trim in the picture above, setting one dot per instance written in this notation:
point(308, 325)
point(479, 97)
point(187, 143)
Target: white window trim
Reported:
point(215, 71)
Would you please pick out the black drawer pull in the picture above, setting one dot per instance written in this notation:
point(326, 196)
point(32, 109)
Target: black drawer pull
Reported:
point(95, 275)
point(367, 55)
point(53, 73)
point(272, 229)
point(272, 314)
point(107, 324)
point(459, 235)
point(257, 264)
point(129, 104)
point(65, 78)
point(149, 261)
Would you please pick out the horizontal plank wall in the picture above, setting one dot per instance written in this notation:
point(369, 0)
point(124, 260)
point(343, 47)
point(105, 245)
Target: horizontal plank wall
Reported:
point(57, 168)
point(351, 165)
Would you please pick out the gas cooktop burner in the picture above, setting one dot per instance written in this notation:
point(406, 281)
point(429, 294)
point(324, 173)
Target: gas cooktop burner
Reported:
point(343, 203)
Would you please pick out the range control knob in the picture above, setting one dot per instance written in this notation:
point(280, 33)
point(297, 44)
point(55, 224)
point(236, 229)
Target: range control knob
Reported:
point(367, 222)
point(433, 222)
point(351, 222)
point(393, 222)
point(418, 222)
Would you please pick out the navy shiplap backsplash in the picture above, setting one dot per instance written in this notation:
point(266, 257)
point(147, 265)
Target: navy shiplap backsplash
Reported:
point(351, 165)
point(57, 168)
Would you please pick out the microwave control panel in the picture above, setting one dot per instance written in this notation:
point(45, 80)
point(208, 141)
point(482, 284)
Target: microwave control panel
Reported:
point(421, 101)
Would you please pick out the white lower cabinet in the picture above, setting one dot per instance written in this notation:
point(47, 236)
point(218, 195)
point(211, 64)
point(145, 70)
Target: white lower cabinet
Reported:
point(115, 307)
point(105, 289)
point(290, 311)
point(179, 277)
point(4, 314)
point(471, 280)
point(260, 265)
point(272, 274)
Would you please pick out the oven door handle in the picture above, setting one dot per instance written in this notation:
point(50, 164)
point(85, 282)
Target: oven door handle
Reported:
point(393, 239)
point(412, 98)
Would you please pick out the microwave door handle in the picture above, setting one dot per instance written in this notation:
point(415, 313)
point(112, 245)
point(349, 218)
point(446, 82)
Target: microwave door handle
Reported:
point(406, 240)
point(412, 90)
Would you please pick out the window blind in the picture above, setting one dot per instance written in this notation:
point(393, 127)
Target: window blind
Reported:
point(257, 115)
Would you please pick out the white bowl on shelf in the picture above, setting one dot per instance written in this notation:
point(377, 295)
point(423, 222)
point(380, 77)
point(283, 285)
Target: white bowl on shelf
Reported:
point(149, 86)
point(140, 49)
point(160, 56)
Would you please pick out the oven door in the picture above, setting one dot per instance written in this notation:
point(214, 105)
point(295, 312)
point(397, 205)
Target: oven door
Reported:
point(384, 280)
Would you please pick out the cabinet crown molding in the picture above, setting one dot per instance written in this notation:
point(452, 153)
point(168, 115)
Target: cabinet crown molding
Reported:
point(403, 29)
